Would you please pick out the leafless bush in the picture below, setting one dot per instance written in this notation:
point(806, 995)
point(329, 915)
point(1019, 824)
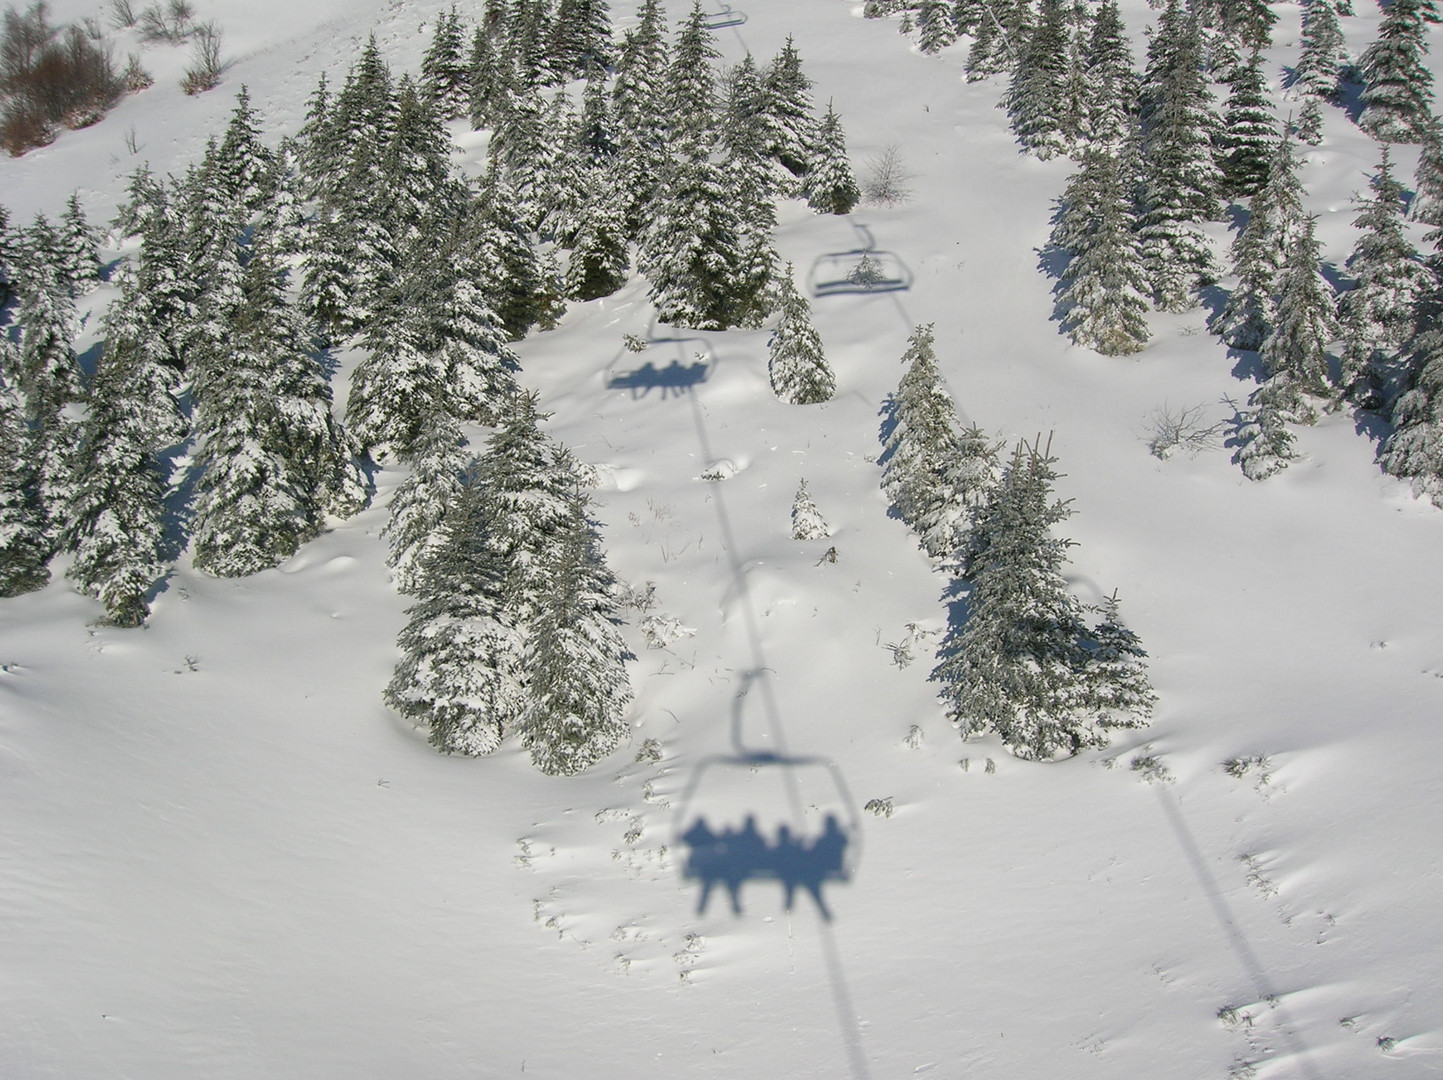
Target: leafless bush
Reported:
point(49, 77)
point(122, 14)
point(172, 23)
point(1182, 428)
point(205, 64)
point(135, 77)
point(887, 182)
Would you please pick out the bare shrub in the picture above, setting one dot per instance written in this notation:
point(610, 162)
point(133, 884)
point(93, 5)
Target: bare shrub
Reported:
point(122, 14)
point(172, 23)
point(23, 129)
point(887, 181)
point(49, 77)
point(205, 64)
point(1182, 428)
point(135, 77)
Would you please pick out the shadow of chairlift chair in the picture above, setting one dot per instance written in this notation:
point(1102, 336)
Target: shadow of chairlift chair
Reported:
point(864, 270)
point(723, 17)
point(752, 816)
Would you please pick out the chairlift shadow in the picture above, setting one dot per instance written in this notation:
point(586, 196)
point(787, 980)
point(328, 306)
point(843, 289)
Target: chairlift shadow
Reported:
point(754, 816)
point(675, 379)
point(723, 17)
point(863, 269)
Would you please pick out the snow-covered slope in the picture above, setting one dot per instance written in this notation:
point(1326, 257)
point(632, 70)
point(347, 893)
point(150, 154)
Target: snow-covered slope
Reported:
point(223, 856)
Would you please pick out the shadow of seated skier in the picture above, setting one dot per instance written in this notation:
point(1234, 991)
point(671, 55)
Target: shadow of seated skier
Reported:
point(729, 858)
point(810, 865)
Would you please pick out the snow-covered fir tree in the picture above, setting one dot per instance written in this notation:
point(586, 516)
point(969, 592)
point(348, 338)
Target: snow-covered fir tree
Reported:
point(461, 670)
point(694, 250)
point(1317, 72)
point(1246, 318)
point(47, 371)
point(438, 351)
point(600, 257)
point(796, 363)
point(1076, 95)
point(1035, 97)
point(1000, 39)
point(1427, 203)
point(243, 166)
point(144, 197)
point(115, 516)
point(9, 256)
point(315, 150)
point(933, 471)
point(1019, 666)
point(1265, 445)
point(488, 81)
point(79, 247)
point(1246, 24)
point(166, 289)
point(641, 68)
point(988, 54)
point(1397, 93)
point(1305, 319)
point(528, 481)
point(1250, 131)
point(530, 147)
point(1115, 681)
point(155, 390)
point(1180, 179)
point(792, 127)
point(1275, 218)
point(327, 288)
point(807, 520)
point(272, 461)
point(756, 179)
point(595, 132)
point(1105, 292)
point(1377, 316)
point(528, 39)
point(577, 683)
point(967, 15)
point(1414, 450)
point(580, 46)
point(25, 547)
point(1111, 79)
point(745, 136)
point(1295, 362)
point(445, 75)
point(416, 171)
point(438, 467)
point(936, 29)
point(515, 281)
point(829, 185)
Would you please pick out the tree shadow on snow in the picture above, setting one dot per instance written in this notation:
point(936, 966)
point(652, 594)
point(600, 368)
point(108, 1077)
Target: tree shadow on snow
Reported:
point(1247, 365)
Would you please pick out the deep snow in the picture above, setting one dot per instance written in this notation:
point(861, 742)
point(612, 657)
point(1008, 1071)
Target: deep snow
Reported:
point(222, 855)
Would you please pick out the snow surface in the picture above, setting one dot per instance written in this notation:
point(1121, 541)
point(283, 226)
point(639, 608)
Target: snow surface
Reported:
point(223, 857)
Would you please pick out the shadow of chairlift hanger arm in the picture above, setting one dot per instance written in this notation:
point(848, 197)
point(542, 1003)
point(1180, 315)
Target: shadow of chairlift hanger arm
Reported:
point(723, 17)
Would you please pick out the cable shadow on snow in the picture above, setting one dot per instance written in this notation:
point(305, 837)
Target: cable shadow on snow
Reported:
point(1242, 948)
point(813, 828)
